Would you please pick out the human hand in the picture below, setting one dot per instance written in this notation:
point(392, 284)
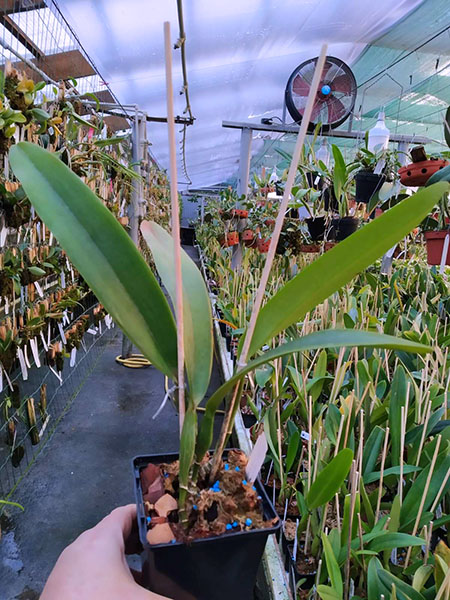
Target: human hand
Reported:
point(94, 567)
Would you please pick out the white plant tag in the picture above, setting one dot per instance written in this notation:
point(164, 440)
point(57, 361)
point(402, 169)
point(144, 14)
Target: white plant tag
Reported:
point(3, 234)
point(391, 251)
point(61, 333)
point(63, 279)
point(38, 289)
point(257, 457)
point(72, 275)
point(50, 241)
point(65, 318)
point(7, 378)
point(44, 341)
point(25, 353)
point(38, 229)
point(73, 357)
point(92, 331)
point(316, 180)
point(58, 375)
point(43, 231)
point(304, 436)
point(100, 327)
point(444, 254)
point(35, 351)
point(33, 213)
point(48, 335)
point(23, 366)
point(6, 305)
point(108, 321)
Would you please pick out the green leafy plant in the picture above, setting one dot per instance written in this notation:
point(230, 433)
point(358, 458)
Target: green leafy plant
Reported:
point(114, 269)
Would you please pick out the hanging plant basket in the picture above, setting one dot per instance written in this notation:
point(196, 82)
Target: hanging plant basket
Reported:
point(418, 173)
point(221, 566)
point(367, 185)
point(240, 213)
point(263, 245)
point(248, 237)
point(230, 239)
point(435, 245)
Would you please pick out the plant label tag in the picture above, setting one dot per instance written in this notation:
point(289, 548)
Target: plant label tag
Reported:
point(50, 241)
point(39, 289)
point(61, 333)
point(33, 213)
point(100, 327)
point(444, 254)
point(390, 252)
point(43, 231)
point(44, 341)
point(63, 279)
point(304, 436)
point(6, 305)
point(35, 351)
point(257, 457)
point(3, 234)
point(316, 180)
point(23, 366)
point(73, 357)
point(65, 318)
point(48, 335)
point(92, 331)
point(57, 375)
point(25, 353)
point(38, 229)
point(72, 275)
point(108, 321)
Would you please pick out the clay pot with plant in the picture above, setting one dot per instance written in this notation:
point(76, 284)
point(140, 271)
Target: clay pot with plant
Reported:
point(436, 227)
point(197, 510)
point(419, 171)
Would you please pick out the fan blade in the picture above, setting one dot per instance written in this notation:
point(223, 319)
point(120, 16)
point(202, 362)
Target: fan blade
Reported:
point(343, 83)
point(316, 111)
point(336, 110)
point(300, 87)
point(326, 67)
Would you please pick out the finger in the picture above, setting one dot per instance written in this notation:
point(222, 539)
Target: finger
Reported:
point(120, 521)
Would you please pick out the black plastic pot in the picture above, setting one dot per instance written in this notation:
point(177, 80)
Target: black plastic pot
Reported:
point(310, 578)
point(249, 420)
point(316, 228)
point(216, 568)
point(342, 228)
point(187, 235)
point(367, 184)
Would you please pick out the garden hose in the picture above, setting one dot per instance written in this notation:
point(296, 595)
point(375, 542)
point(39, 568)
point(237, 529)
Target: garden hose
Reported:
point(134, 361)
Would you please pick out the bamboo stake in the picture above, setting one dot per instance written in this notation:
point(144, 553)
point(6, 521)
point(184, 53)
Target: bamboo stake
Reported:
point(175, 224)
point(383, 460)
point(441, 489)
point(424, 495)
point(284, 204)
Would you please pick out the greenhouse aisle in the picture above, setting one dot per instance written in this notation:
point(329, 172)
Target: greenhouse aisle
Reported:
point(84, 472)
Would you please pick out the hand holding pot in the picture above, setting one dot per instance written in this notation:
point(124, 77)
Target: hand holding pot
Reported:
point(93, 567)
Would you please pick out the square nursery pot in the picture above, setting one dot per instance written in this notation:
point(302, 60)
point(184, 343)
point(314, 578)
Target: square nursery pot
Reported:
point(435, 246)
point(217, 568)
point(343, 227)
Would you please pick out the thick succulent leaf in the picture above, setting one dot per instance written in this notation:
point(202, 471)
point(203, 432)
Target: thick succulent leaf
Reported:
point(331, 338)
point(198, 332)
point(339, 265)
point(101, 250)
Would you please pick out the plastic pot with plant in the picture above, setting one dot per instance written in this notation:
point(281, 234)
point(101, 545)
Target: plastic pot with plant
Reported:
point(116, 272)
point(374, 169)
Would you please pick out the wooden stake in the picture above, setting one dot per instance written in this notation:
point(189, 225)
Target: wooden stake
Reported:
point(383, 460)
point(424, 495)
point(175, 224)
point(284, 204)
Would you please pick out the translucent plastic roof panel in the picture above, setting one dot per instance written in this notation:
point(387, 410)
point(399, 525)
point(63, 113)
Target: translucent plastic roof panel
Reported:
point(45, 30)
point(240, 54)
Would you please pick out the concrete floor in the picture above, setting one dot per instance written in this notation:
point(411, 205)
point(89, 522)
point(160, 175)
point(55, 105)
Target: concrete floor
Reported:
point(84, 471)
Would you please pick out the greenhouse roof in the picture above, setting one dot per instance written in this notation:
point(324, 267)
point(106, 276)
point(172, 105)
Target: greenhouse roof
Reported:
point(239, 58)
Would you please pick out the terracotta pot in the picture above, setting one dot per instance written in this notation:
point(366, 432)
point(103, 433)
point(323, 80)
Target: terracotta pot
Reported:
point(310, 248)
point(417, 174)
point(328, 245)
point(435, 245)
point(248, 237)
point(239, 212)
point(231, 239)
point(270, 222)
point(263, 245)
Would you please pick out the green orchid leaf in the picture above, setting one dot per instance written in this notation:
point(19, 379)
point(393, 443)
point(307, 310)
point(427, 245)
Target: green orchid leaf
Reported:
point(330, 479)
point(101, 250)
point(198, 333)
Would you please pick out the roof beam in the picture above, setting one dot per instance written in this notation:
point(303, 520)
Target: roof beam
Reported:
point(10, 7)
point(20, 35)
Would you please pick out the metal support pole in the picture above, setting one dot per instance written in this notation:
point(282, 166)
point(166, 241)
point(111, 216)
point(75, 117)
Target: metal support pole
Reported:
point(134, 207)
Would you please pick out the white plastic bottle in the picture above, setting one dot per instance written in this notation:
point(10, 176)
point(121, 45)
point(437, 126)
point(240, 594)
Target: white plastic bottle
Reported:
point(378, 135)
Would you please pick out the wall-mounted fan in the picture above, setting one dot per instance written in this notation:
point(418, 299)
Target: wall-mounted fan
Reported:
point(336, 96)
